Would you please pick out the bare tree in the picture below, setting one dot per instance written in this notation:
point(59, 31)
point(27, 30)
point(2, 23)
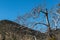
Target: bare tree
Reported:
point(55, 14)
point(37, 11)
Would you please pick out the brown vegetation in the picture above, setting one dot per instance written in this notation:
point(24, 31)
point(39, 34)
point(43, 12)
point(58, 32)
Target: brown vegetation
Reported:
point(12, 31)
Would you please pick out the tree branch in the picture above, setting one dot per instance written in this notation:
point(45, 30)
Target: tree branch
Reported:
point(39, 23)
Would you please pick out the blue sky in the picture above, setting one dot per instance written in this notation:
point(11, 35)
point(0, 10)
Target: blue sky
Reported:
point(9, 9)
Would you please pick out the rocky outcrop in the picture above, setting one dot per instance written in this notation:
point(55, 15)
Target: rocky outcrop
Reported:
point(10, 30)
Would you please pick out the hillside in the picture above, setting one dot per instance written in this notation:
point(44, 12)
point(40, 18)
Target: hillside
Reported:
point(10, 30)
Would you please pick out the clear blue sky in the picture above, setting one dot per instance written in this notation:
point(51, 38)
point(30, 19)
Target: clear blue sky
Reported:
point(9, 9)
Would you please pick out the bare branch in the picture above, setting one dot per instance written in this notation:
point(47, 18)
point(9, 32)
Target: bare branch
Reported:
point(39, 23)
